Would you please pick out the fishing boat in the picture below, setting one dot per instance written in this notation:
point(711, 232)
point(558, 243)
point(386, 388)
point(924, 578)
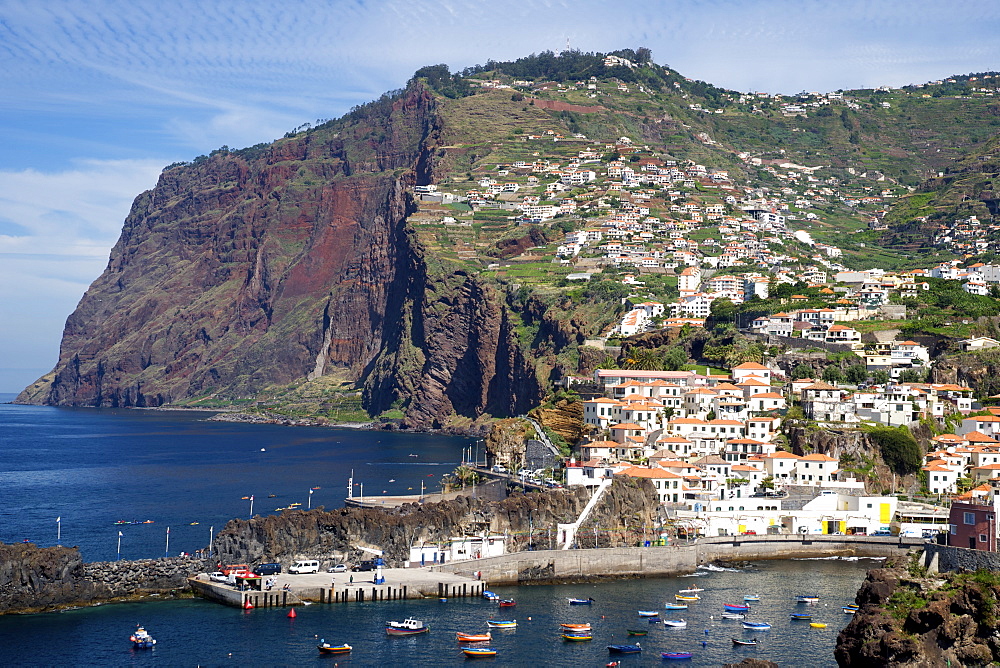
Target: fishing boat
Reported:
point(685, 597)
point(578, 636)
point(849, 611)
point(811, 598)
point(692, 590)
point(487, 594)
point(581, 601)
point(473, 637)
point(676, 656)
point(756, 626)
point(817, 625)
point(407, 627)
point(141, 639)
point(733, 615)
point(735, 607)
point(636, 632)
point(801, 616)
point(625, 649)
point(326, 648)
point(575, 627)
point(507, 603)
point(648, 613)
point(675, 606)
point(675, 623)
point(501, 623)
point(737, 641)
point(478, 652)
point(751, 597)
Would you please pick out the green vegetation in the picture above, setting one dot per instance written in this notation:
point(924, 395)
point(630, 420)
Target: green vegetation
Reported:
point(899, 450)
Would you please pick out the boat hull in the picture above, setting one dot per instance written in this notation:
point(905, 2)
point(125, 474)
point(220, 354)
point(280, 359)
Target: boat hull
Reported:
point(750, 626)
point(624, 649)
point(479, 653)
point(334, 649)
point(405, 632)
point(676, 656)
point(502, 625)
point(474, 637)
point(574, 637)
point(675, 606)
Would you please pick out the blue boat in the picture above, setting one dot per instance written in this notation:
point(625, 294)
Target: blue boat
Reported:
point(756, 626)
point(648, 613)
point(141, 639)
point(676, 656)
point(625, 649)
point(801, 617)
point(581, 601)
point(675, 606)
point(487, 594)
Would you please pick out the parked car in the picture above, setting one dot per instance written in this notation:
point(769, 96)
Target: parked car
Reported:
point(499, 469)
point(882, 533)
point(217, 576)
point(304, 566)
point(339, 568)
point(267, 569)
point(367, 565)
point(751, 532)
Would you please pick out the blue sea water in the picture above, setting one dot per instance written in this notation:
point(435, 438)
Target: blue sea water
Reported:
point(93, 467)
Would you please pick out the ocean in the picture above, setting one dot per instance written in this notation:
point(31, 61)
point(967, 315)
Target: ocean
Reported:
point(92, 468)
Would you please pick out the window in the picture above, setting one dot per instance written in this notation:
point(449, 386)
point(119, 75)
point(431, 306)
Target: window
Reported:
point(970, 518)
point(982, 538)
point(952, 529)
point(869, 505)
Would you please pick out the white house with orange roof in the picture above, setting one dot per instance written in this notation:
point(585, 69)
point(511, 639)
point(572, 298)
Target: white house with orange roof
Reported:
point(698, 401)
point(985, 424)
point(678, 446)
point(601, 412)
point(752, 386)
point(624, 432)
point(609, 377)
point(765, 402)
point(669, 485)
point(816, 469)
point(599, 450)
point(941, 478)
point(781, 465)
point(751, 369)
point(744, 449)
point(985, 472)
point(763, 428)
point(689, 281)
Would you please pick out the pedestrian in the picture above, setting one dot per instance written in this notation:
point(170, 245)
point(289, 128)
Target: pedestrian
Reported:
point(352, 579)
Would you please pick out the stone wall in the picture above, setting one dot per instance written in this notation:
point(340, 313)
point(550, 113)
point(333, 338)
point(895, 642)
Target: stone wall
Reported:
point(947, 558)
point(574, 565)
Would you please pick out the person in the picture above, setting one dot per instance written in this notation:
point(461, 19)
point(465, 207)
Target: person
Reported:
point(352, 579)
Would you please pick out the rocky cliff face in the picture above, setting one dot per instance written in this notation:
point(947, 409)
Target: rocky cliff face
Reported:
point(909, 619)
point(290, 261)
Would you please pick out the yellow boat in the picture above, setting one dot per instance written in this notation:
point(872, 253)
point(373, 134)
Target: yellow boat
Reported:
point(681, 597)
point(817, 625)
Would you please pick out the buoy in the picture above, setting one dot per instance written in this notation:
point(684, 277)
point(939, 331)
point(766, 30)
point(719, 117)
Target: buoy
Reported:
point(706, 631)
point(291, 613)
point(529, 619)
point(248, 605)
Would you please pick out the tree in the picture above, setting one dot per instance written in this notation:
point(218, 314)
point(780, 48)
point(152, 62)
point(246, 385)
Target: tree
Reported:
point(880, 376)
point(802, 371)
point(674, 358)
point(722, 310)
point(833, 374)
point(856, 374)
point(767, 483)
point(912, 376)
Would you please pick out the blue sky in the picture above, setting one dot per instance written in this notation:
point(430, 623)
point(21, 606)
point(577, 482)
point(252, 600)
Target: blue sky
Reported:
point(98, 96)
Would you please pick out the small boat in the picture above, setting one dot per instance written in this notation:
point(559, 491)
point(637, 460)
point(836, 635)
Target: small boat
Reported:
point(141, 639)
point(692, 590)
point(487, 594)
point(849, 611)
point(649, 613)
point(685, 597)
point(817, 625)
point(478, 652)
point(733, 615)
point(734, 607)
point(675, 606)
point(751, 597)
point(675, 623)
point(327, 648)
point(581, 601)
point(811, 598)
point(194, 524)
point(407, 627)
point(625, 649)
point(578, 636)
point(676, 656)
point(576, 627)
point(507, 603)
point(756, 626)
point(473, 637)
point(801, 617)
point(636, 632)
point(737, 641)
point(501, 623)
point(613, 664)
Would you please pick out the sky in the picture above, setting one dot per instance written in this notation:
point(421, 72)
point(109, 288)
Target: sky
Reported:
point(97, 97)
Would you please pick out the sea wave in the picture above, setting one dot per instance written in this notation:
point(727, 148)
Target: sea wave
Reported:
point(718, 569)
point(835, 558)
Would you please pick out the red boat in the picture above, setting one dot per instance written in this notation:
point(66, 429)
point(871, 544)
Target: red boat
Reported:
point(474, 637)
point(508, 603)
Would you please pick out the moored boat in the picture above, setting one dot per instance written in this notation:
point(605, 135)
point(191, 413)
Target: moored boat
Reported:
point(478, 652)
point(849, 611)
point(487, 594)
point(734, 607)
point(501, 623)
point(141, 639)
point(473, 637)
point(507, 603)
point(648, 613)
point(737, 641)
point(809, 598)
point(578, 636)
point(817, 625)
point(675, 623)
point(581, 601)
point(756, 626)
point(625, 649)
point(692, 590)
point(676, 656)
point(576, 627)
point(326, 648)
point(407, 627)
point(675, 606)
point(801, 616)
point(751, 597)
point(686, 597)
point(733, 615)
point(637, 632)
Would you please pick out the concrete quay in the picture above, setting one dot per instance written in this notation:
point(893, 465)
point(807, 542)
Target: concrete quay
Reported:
point(552, 566)
point(400, 583)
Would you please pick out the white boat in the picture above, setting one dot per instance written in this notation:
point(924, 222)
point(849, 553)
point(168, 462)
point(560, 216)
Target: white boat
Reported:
point(733, 615)
point(756, 626)
point(751, 597)
point(407, 627)
point(676, 623)
point(693, 590)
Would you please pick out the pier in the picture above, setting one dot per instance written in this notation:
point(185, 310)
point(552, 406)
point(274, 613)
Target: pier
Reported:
point(328, 588)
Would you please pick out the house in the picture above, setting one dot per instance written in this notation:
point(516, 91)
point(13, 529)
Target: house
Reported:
point(973, 524)
point(751, 370)
point(978, 343)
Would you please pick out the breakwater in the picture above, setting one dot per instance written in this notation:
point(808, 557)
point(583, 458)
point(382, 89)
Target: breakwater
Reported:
point(552, 566)
point(34, 579)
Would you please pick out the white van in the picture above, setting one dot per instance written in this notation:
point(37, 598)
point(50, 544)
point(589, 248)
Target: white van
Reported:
point(304, 566)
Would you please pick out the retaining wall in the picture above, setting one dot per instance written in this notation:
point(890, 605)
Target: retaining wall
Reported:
point(944, 558)
point(547, 566)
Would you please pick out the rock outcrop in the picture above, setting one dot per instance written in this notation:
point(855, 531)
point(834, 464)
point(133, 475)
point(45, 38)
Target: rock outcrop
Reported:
point(907, 619)
point(283, 262)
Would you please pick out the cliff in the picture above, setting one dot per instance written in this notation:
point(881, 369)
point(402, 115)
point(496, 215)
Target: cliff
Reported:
point(320, 534)
point(34, 579)
point(909, 619)
point(293, 261)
